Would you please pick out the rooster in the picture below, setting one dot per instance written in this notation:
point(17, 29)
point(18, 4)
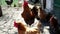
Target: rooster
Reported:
point(27, 13)
point(24, 29)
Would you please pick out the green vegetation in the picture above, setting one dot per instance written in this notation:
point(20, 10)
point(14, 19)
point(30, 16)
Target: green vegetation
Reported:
point(3, 3)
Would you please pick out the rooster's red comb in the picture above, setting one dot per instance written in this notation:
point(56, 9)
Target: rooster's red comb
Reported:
point(15, 24)
point(25, 3)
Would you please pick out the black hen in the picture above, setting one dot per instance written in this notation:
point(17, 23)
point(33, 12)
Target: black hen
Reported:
point(9, 2)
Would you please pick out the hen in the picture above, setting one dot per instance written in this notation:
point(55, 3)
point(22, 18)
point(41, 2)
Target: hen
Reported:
point(42, 14)
point(54, 22)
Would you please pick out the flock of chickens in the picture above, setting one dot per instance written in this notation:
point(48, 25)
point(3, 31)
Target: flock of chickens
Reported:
point(31, 23)
point(31, 18)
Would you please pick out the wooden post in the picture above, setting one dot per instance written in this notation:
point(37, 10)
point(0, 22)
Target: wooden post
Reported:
point(44, 4)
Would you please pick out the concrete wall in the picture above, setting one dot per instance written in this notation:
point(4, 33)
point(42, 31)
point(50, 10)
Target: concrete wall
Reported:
point(49, 5)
